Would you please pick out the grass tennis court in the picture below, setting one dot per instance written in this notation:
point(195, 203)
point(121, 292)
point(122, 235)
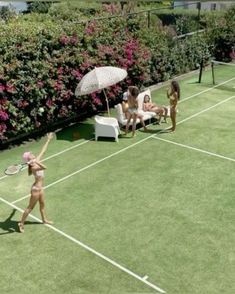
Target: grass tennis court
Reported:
point(147, 214)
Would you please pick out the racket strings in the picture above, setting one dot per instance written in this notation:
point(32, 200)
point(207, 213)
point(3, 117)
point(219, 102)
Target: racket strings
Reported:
point(13, 169)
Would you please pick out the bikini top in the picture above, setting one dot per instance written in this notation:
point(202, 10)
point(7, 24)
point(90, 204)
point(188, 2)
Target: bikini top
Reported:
point(39, 173)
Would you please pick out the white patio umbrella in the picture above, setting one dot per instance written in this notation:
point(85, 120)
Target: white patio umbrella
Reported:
point(99, 79)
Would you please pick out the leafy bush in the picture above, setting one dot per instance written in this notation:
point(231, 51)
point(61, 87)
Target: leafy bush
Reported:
point(38, 6)
point(184, 21)
point(74, 10)
point(40, 72)
point(221, 33)
point(43, 58)
point(7, 12)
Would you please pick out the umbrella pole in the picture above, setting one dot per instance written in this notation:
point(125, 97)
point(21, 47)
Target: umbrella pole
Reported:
point(107, 102)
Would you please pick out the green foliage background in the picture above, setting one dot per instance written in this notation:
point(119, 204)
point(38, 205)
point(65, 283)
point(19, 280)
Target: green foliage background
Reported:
point(43, 56)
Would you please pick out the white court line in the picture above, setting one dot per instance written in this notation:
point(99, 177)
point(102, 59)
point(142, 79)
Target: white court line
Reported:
point(183, 100)
point(196, 149)
point(56, 154)
point(204, 91)
point(67, 149)
point(86, 167)
point(114, 263)
point(209, 108)
point(144, 279)
point(124, 149)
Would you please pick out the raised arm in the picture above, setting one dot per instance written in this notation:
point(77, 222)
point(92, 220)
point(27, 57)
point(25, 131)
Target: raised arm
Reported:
point(44, 148)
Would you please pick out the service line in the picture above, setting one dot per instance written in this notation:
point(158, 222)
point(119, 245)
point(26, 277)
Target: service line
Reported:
point(195, 149)
point(126, 148)
point(183, 100)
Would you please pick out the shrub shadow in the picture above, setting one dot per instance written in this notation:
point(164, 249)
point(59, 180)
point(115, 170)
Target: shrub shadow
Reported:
point(75, 132)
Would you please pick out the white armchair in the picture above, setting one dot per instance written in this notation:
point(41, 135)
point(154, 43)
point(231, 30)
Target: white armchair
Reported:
point(147, 115)
point(106, 127)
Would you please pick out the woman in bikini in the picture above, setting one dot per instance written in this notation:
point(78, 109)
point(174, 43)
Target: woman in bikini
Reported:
point(35, 168)
point(174, 95)
point(132, 110)
point(160, 110)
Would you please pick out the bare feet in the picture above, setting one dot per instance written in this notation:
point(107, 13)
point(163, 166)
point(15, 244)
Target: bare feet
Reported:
point(47, 222)
point(21, 227)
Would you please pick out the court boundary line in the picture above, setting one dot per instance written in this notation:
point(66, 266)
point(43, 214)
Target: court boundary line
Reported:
point(86, 167)
point(124, 149)
point(194, 148)
point(56, 154)
point(206, 90)
point(88, 248)
point(205, 110)
point(183, 100)
point(142, 279)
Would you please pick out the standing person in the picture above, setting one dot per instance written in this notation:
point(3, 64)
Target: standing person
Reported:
point(174, 95)
point(36, 168)
point(132, 110)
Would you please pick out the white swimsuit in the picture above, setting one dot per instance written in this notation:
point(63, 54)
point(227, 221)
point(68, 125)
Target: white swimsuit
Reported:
point(39, 174)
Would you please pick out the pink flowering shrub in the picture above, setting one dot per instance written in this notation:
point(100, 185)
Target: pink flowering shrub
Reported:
point(42, 63)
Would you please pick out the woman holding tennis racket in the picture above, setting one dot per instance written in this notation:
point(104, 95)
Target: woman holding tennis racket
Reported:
point(36, 168)
point(174, 95)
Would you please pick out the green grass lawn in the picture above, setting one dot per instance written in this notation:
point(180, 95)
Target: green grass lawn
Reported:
point(159, 205)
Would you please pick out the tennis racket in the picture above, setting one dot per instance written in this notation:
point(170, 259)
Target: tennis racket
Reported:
point(14, 169)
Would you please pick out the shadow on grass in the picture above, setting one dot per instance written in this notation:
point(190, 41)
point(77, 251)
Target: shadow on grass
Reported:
point(10, 226)
point(76, 132)
point(228, 88)
point(106, 139)
point(154, 131)
point(125, 136)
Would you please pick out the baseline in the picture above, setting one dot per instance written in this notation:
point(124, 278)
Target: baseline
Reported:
point(114, 263)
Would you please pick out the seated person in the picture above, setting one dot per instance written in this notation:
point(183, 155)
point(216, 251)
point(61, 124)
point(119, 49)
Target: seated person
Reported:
point(125, 108)
point(160, 110)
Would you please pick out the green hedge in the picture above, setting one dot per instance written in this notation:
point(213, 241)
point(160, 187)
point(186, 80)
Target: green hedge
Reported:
point(42, 59)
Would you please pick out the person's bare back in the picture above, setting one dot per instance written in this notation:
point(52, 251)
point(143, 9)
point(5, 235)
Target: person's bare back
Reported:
point(132, 102)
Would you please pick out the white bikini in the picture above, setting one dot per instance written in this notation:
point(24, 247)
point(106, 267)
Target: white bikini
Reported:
point(38, 174)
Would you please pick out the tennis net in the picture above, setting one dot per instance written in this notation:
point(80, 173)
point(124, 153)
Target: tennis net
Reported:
point(223, 74)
